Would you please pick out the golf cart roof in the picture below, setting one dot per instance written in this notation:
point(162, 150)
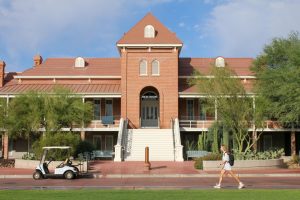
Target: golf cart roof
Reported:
point(57, 147)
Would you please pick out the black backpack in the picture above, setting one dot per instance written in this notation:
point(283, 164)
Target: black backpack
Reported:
point(231, 159)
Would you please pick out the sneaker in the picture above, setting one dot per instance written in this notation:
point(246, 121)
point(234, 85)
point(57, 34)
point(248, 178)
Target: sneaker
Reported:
point(218, 186)
point(241, 185)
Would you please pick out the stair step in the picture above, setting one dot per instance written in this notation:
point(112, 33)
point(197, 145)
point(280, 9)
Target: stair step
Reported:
point(159, 141)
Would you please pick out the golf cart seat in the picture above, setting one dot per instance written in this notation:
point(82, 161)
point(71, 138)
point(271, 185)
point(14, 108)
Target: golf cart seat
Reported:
point(45, 166)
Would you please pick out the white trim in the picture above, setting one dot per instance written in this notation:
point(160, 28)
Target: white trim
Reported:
point(196, 95)
point(149, 45)
point(67, 77)
point(241, 77)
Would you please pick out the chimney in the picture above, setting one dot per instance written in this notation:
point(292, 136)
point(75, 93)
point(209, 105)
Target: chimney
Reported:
point(37, 60)
point(2, 73)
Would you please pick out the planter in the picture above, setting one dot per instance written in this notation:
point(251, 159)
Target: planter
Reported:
point(32, 164)
point(246, 164)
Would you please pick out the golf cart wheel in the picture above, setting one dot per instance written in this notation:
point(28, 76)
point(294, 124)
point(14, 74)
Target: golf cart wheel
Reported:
point(37, 175)
point(69, 175)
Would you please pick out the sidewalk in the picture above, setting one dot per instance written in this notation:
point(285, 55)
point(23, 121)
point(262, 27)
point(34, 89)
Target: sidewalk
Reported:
point(109, 169)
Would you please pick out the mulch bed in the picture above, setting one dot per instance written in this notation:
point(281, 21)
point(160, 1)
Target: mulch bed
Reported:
point(7, 163)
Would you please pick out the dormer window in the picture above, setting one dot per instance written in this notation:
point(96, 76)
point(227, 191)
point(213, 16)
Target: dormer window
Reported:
point(79, 62)
point(220, 62)
point(149, 31)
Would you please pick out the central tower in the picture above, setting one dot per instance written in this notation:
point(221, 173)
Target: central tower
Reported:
point(149, 71)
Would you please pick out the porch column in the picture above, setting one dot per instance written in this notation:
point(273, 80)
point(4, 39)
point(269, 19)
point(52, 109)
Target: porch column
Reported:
point(254, 138)
point(5, 145)
point(293, 142)
point(254, 133)
point(82, 135)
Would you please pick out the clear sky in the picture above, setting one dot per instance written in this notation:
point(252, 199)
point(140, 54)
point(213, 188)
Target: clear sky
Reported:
point(91, 28)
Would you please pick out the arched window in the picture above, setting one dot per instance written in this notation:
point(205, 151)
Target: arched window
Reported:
point(143, 68)
point(149, 31)
point(155, 67)
point(79, 62)
point(220, 62)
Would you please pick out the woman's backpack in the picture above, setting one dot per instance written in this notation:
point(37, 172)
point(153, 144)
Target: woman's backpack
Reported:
point(231, 159)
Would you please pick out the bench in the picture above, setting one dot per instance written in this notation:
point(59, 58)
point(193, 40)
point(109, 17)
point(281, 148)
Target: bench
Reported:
point(103, 154)
point(196, 154)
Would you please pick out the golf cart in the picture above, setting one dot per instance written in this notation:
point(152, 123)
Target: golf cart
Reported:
point(65, 169)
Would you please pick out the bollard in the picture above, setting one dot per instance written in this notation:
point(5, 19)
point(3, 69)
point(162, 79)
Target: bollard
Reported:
point(147, 163)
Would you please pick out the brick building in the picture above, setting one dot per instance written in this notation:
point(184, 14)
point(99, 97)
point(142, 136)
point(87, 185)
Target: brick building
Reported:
point(140, 99)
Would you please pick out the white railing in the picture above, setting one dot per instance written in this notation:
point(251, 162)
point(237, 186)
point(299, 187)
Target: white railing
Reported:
point(118, 146)
point(177, 141)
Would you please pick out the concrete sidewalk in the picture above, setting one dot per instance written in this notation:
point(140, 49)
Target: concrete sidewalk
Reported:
point(109, 169)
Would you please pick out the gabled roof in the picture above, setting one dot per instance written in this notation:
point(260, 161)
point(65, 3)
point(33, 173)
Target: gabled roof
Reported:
point(66, 67)
point(162, 34)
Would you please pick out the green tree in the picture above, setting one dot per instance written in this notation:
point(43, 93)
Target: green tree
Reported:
point(59, 109)
point(25, 114)
point(278, 85)
point(3, 113)
point(234, 106)
point(65, 110)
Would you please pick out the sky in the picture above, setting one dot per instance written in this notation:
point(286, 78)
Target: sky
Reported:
point(91, 28)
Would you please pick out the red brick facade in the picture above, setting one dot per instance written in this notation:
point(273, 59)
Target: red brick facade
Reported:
point(166, 83)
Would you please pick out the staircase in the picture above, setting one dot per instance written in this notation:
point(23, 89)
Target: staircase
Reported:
point(159, 141)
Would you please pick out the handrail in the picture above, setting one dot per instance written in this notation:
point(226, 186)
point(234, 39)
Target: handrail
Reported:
point(177, 141)
point(119, 145)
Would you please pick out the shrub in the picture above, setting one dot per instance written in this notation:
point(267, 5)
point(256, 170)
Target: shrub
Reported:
point(29, 156)
point(253, 155)
point(199, 161)
point(295, 159)
point(84, 146)
point(57, 139)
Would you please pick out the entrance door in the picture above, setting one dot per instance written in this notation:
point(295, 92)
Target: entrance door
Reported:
point(149, 110)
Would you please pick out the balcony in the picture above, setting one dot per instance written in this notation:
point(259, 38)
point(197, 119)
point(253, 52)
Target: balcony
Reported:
point(193, 123)
point(105, 122)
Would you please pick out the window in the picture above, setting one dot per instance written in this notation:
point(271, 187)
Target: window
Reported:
point(155, 67)
point(190, 109)
point(79, 62)
point(220, 62)
point(149, 31)
point(97, 142)
point(97, 109)
point(143, 68)
point(267, 142)
point(108, 107)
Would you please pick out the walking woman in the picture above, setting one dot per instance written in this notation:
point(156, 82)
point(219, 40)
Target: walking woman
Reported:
point(226, 168)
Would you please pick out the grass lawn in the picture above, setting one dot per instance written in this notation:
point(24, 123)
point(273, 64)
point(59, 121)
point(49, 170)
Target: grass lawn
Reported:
point(86, 194)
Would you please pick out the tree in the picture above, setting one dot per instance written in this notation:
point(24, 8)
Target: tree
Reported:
point(59, 109)
point(278, 86)
point(3, 113)
point(234, 105)
point(278, 72)
point(25, 114)
point(65, 110)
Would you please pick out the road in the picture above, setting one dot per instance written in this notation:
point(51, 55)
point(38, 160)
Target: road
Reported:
point(150, 183)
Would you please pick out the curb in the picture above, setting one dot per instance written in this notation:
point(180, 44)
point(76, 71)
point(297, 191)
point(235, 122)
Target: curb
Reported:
point(99, 176)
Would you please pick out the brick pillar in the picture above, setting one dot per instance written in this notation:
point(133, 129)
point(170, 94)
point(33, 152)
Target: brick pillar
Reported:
point(82, 135)
point(293, 143)
point(5, 145)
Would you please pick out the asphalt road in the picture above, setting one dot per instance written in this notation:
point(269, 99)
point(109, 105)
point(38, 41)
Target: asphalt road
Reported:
point(150, 183)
